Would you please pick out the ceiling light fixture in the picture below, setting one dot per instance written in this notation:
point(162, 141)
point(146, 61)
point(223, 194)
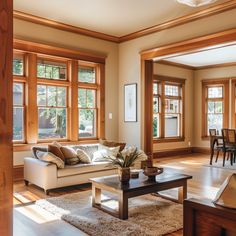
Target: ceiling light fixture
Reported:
point(196, 3)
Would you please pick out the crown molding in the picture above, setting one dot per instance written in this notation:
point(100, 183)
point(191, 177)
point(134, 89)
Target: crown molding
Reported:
point(62, 26)
point(210, 11)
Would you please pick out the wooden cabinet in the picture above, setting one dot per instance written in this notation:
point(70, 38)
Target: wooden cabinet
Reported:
point(203, 218)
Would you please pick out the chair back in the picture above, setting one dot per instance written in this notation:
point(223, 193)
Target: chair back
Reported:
point(224, 136)
point(212, 132)
point(231, 139)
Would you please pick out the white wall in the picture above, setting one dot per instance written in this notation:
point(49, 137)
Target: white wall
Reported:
point(130, 63)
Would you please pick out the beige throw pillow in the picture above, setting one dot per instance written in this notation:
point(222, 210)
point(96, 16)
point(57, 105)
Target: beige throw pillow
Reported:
point(104, 151)
point(51, 158)
point(83, 156)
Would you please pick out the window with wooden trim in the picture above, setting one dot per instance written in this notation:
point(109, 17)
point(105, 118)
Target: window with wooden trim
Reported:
point(18, 112)
point(87, 102)
point(52, 112)
point(168, 109)
point(215, 106)
point(61, 97)
point(50, 69)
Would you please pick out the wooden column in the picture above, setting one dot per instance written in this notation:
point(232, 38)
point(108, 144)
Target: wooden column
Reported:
point(31, 99)
point(147, 67)
point(73, 101)
point(101, 101)
point(6, 157)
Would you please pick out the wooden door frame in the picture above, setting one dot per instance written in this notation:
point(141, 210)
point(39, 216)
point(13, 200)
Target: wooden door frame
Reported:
point(6, 153)
point(203, 43)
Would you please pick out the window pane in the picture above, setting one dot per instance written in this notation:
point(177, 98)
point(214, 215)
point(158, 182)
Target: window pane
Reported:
point(17, 94)
point(87, 74)
point(215, 121)
point(172, 106)
point(52, 123)
point(52, 96)
point(155, 105)
point(18, 66)
point(82, 98)
point(172, 125)
point(61, 96)
point(171, 90)
point(218, 107)
point(155, 88)
point(18, 123)
point(87, 123)
point(215, 92)
point(91, 98)
point(51, 70)
point(156, 126)
point(211, 107)
point(41, 95)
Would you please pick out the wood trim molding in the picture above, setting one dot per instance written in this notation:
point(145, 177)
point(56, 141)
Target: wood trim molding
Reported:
point(172, 152)
point(18, 173)
point(183, 66)
point(210, 11)
point(198, 44)
point(214, 10)
point(62, 26)
point(203, 150)
point(6, 134)
point(39, 48)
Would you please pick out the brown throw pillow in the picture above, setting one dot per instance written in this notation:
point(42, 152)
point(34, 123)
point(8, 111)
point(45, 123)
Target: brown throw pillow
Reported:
point(54, 149)
point(70, 156)
point(113, 144)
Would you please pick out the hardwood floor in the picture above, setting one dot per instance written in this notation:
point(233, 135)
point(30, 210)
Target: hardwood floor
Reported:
point(33, 221)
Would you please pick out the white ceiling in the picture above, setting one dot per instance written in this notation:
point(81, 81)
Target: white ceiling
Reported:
point(215, 56)
point(114, 17)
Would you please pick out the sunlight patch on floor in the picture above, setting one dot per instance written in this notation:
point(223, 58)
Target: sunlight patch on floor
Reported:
point(36, 214)
point(173, 167)
point(191, 163)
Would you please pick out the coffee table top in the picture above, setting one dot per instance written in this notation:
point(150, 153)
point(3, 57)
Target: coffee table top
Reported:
point(139, 183)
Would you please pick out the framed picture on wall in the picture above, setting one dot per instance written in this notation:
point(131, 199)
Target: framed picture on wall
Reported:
point(130, 102)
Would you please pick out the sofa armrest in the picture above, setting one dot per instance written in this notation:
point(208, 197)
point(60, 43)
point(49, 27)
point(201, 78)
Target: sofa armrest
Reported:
point(40, 173)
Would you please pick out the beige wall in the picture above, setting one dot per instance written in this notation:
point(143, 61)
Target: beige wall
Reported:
point(177, 72)
point(129, 62)
point(42, 34)
point(216, 73)
point(122, 64)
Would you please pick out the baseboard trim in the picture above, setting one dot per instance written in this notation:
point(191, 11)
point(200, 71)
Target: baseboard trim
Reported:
point(203, 150)
point(180, 151)
point(18, 173)
point(172, 152)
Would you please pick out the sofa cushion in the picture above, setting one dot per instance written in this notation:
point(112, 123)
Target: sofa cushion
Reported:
point(83, 169)
point(56, 150)
point(51, 158)
point(70, 155)
point(83, 156)
point(35, 149)
point(104, 151)
point(89, 149)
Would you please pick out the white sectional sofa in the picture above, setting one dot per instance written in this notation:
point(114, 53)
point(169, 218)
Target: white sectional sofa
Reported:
point(48, 176)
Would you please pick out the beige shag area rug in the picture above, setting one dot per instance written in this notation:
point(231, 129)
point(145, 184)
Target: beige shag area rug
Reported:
point(148, 215)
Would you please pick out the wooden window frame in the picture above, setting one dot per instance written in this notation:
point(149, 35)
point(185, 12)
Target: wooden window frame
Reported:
point(233, 103)
point(33, 51)
point(24, 111)
point(214, 83)
point(163, 80)
point(46, 107)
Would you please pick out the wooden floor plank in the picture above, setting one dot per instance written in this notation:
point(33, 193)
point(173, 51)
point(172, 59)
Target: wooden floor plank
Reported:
point(205, 183)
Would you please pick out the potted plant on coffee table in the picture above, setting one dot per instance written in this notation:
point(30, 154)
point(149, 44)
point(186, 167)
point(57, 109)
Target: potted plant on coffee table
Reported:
point(124, 162)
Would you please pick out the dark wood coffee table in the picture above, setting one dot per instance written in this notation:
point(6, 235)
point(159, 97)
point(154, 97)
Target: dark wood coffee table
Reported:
point(136, 187)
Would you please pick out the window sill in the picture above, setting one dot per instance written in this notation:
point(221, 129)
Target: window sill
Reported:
point(27, 147)
point(169, 140)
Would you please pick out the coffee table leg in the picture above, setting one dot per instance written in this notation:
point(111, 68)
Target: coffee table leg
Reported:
point(182, 192)
point(123, 206)
point(96, 195)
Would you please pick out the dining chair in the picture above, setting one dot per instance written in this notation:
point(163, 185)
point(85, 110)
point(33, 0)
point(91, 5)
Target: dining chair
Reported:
point(214, 145)
point(231, 145)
